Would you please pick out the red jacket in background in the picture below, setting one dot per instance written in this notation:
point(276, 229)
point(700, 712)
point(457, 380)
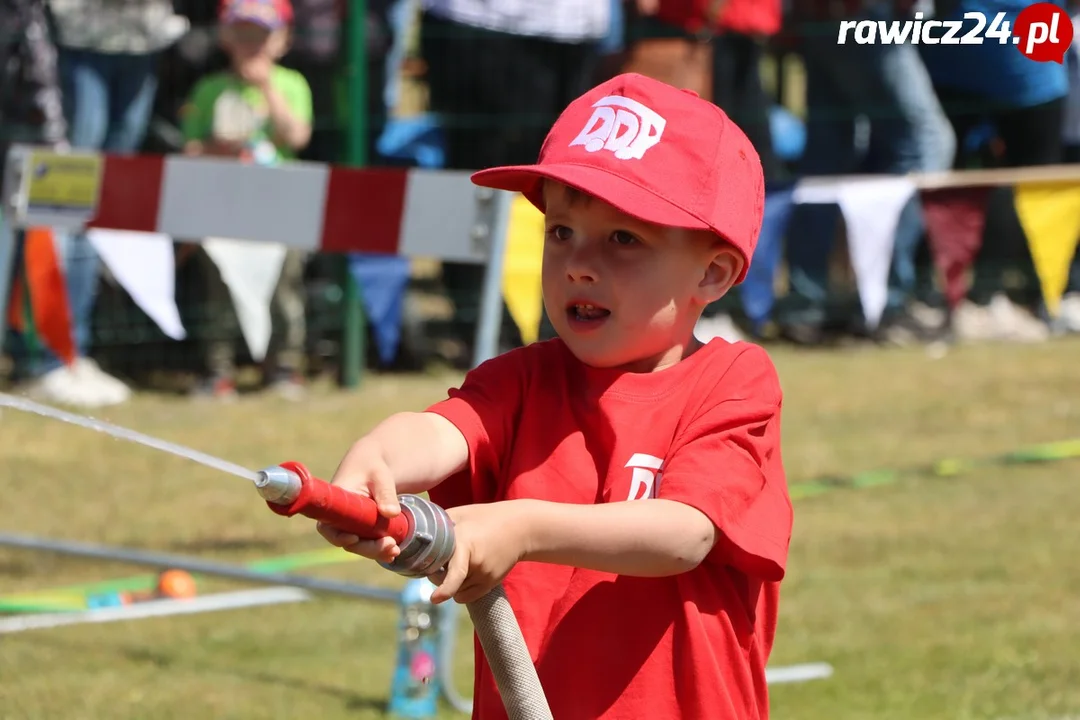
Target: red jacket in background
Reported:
point(749, 17)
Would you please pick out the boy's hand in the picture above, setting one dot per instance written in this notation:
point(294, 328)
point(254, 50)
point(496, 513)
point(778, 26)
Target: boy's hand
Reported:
point(256, 70)
point(364, 471)
point(489, 539)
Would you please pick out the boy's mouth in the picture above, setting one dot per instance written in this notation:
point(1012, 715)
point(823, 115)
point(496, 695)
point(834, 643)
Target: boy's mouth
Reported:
point(586, 312)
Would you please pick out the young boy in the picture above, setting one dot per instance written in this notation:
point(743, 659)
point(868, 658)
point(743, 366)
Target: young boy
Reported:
point(623, 480)
point(256, 111)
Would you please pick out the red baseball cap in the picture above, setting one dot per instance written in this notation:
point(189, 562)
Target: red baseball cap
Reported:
point(271, 14)
point(655, 152)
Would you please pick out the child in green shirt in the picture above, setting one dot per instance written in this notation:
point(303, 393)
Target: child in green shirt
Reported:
point(256, 111)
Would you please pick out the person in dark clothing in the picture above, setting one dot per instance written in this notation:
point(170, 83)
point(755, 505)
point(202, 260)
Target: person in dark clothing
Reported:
point(1024, 101)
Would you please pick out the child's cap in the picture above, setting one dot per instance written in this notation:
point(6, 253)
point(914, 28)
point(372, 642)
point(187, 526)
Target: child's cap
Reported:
point(655, 152)
point(271, 14)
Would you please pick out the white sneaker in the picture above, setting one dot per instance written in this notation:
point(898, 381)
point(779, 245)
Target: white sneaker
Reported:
point(112, 390)
point(81, 385)
point(1068, 319)
point(1000, 320)
point(63, 387)
point(972, 323)
point(927, 315)
point(1014, 323)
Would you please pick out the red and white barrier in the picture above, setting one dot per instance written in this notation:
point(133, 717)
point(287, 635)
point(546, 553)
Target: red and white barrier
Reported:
point(156, 200)
point(307, 206)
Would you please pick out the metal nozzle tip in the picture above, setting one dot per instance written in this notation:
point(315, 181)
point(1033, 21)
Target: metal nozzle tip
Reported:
point(278, 485)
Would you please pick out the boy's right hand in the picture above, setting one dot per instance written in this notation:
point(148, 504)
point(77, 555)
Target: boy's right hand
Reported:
point(256, 70)
point(364, 471)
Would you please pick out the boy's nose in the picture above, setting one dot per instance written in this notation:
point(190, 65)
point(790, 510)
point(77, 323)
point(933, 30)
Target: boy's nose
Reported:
point(581, 265)
point(580, 275)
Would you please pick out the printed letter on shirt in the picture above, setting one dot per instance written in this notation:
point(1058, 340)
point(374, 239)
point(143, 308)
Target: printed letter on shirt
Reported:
point(645, 482)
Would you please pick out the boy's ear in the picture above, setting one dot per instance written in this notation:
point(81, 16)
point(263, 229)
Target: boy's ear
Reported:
point(723, 270)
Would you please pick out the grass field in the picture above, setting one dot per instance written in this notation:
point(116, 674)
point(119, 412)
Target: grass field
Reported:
point(931, 597)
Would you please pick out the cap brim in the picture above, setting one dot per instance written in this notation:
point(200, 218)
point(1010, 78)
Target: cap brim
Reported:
point(614, 190)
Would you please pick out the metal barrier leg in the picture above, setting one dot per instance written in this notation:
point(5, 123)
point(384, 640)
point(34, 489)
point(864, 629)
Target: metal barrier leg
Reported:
point(353, 329)
point(496, 226)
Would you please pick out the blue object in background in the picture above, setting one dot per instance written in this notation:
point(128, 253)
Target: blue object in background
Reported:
point(382, 280)
point(788, 133)
point(757, 291)
point(613, 42)
point(992, 70)
point(415, 688)
point(417, 139)
point(104, 600)
point(978, 137)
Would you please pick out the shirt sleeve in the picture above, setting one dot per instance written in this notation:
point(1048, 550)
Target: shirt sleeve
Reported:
point(485, 409)
point(297, 94)
point(196, 116)
point(727, 463)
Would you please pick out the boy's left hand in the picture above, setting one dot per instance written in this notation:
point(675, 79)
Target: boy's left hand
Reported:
point(489, 539)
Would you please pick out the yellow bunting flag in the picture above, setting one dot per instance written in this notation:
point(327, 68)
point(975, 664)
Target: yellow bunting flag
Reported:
point(521, 267)
point(1050, 216)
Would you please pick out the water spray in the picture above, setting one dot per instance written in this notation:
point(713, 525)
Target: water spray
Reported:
point(423, 531)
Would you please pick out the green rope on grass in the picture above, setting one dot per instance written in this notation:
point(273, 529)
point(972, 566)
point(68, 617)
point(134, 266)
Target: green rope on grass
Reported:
point(948, 467)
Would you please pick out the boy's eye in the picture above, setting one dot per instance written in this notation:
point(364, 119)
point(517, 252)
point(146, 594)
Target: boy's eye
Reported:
point(621, 237)
point(560, 232)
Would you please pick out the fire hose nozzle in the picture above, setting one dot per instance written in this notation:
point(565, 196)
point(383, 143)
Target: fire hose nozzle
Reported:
point(429, 543)
point(423, 531)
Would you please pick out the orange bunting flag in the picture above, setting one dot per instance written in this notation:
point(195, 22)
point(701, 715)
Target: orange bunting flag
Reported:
point(39, 303)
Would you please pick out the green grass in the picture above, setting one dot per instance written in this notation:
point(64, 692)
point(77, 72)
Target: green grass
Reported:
point(931, 597)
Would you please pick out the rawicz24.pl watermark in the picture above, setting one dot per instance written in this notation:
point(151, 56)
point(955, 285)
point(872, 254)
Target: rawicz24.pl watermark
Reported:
point(1041, 32)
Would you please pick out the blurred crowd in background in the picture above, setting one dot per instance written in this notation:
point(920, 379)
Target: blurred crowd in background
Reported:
point(266, 81)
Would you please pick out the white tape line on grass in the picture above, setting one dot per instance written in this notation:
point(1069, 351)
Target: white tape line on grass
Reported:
point(798, 673)
point(157, 608)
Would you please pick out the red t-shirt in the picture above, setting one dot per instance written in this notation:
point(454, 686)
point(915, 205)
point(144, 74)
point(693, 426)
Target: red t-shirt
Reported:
point(541, 424)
